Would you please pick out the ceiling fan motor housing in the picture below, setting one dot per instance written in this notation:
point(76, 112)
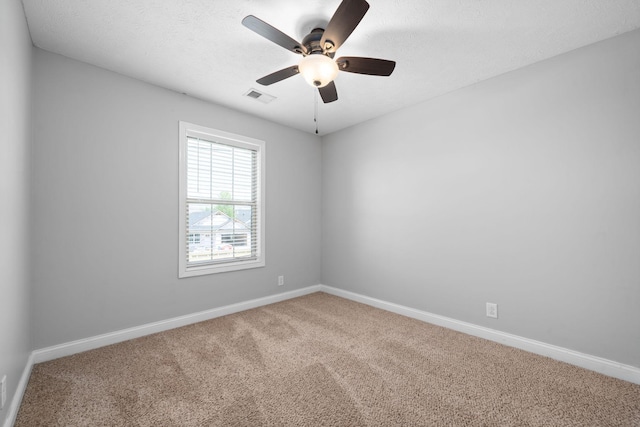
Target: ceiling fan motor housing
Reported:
point(312, 42)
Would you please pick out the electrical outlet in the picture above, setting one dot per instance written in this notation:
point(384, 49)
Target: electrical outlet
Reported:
point(280, 280)
point(492, 310)
point(3, 391)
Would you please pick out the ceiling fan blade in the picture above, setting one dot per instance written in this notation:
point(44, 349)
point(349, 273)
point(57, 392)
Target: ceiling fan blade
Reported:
point(370, 66)
point(273, 34)
point(342, 23)
point(328, 93)
point(272, 78)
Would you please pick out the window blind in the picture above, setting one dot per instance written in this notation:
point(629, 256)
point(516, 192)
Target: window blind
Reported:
point(221, 203)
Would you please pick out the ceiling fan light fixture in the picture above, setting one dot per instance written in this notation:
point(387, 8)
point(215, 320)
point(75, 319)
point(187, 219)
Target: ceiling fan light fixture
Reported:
point(318, 69)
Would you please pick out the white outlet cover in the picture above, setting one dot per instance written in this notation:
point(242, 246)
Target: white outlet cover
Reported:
point(492, 310)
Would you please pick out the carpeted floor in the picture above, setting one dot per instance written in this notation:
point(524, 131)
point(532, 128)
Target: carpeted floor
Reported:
point(320, 360)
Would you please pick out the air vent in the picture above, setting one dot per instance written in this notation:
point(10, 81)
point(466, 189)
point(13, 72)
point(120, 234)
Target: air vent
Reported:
point(259, 96)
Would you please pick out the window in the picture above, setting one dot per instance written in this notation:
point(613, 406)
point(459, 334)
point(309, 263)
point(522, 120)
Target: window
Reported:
point(221, 201)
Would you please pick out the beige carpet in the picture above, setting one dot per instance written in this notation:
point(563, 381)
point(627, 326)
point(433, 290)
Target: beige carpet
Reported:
point(320, 360)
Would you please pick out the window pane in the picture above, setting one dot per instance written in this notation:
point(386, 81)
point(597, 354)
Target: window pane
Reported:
point(217, 171)
point(219, 232)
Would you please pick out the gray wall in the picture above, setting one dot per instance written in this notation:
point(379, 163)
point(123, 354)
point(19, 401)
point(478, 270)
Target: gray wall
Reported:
point(105, 188)
point(15, 149)
point(523, 190)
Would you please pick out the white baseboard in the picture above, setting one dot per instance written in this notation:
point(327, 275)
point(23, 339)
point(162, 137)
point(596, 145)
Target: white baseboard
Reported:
point(14, 407)
point(73, 347)
point(593, 363)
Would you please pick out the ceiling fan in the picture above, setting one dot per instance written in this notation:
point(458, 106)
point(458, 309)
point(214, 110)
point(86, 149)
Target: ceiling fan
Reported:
point(318, 49)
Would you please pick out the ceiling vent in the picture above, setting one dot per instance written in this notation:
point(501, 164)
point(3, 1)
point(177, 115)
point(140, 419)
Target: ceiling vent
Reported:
point(259, 96)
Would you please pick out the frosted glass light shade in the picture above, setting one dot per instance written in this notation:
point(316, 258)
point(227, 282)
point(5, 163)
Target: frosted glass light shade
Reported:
point(318, 70)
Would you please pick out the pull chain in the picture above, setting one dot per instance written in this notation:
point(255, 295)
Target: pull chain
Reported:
point(315, 109)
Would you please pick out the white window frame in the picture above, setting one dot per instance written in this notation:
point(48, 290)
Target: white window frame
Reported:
point(217, 136)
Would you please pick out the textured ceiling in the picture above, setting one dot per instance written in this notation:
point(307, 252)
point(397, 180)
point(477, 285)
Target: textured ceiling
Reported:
point(199, 47)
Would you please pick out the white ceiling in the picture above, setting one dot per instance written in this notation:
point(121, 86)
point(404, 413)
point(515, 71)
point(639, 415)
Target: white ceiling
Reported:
point(199, 47)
